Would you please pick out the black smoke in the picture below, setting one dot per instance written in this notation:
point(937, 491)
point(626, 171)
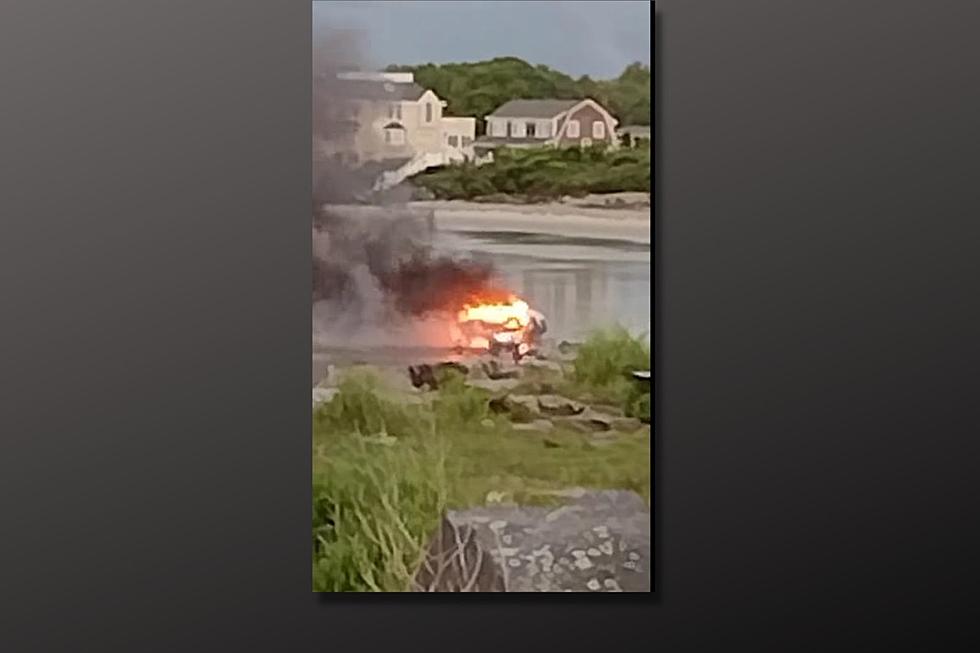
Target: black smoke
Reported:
point(376, 258)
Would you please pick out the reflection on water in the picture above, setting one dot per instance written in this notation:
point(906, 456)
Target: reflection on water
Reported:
point(579, 284)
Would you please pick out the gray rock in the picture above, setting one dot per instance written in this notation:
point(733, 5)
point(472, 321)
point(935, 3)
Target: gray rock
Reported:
point(543, 366)
point(560, 406)
point(494, 370)
point(600, 541)
point(494, 385)
point(589, 421)
point(539, 425)
point(573, 424)
point(323, 395)
point(522, 404)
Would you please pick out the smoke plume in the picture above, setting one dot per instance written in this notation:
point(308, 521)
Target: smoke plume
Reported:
point(373, 262)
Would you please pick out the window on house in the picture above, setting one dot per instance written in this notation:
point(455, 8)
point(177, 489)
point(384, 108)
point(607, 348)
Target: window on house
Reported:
point(395, 136)
point(510, 128)
point(467, 140)
point(598, 129)
point(454, 141)
point(529, 129)
point(428, 112)
point(573, 129)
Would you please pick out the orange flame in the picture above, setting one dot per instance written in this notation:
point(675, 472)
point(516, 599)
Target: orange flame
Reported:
point(512, 315)
point(502, 321)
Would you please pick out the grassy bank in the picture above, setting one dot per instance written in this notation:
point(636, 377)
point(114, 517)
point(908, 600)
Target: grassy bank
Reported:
point(385, 469)
point(542, 174)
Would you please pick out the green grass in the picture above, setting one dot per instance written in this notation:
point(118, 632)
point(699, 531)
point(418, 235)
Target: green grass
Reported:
point(542, 174)
point(602, 370)
point(384, 470)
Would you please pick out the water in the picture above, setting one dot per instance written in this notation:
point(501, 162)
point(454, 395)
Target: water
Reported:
point(580, 284)
point(558, 265)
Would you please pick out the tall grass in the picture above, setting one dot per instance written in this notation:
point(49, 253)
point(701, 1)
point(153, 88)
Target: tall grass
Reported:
point(542, 174)
point(604, 364)
point(384, 471)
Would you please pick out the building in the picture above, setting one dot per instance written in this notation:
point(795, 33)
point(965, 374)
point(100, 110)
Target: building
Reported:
point(535, 123)
point(396, 127)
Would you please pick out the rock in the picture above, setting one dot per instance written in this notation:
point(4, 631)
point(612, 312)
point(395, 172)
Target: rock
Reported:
point(589, 421)
point(543, 366)
point(422, 375)
point(323, 395)
point(524, 406)
point(494, 385)
point(494, 370)
point(600, 541)
point(558, 405)
point(539, 425)
point(626, 424)
point(573, 424)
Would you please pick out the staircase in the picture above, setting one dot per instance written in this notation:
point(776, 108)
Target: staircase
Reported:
point(416, 165)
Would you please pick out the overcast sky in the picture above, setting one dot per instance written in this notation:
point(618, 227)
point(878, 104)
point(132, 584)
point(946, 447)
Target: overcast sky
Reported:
point(576, 37)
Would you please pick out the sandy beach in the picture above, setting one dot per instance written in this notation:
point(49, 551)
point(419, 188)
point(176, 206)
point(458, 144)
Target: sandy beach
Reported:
point(561, 219)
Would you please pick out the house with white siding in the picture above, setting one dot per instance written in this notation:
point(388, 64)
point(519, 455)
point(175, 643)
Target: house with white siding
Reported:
point(396, 126)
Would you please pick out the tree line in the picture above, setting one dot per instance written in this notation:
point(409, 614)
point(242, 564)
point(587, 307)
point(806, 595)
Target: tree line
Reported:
point(476, 89)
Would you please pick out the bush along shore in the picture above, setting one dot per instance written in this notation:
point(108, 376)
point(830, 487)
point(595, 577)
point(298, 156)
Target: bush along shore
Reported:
point(539, 175)
point(391, 459)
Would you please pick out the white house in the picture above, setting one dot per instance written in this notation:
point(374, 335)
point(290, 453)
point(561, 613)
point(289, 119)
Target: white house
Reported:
point(398, 125)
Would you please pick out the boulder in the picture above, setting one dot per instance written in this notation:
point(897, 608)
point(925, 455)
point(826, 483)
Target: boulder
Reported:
point(494, 385)
point(598, 541)
point(543, 366)
point(559, 406)
point(538, 425)
point(522, 406)
point(588, 421)
point(494, 370)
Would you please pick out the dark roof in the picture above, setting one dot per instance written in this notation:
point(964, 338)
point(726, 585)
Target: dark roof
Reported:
point(368, 90)
point(533, 108)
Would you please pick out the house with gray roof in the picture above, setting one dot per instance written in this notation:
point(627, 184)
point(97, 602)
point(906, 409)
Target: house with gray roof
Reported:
point(535, 123)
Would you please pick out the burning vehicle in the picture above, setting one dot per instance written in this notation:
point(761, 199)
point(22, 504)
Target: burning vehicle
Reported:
point(504, 323)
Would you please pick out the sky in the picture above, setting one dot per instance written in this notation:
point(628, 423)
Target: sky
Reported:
point(598, 39)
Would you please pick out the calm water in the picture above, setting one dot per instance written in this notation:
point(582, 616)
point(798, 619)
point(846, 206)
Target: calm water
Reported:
point(578, 283)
